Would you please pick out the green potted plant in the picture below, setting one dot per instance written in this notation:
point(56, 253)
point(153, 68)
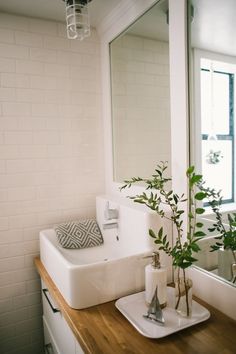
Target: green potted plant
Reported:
point(226, 239)
point(169, 205)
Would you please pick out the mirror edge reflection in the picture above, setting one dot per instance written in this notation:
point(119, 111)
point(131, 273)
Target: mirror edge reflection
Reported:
point(192, 131)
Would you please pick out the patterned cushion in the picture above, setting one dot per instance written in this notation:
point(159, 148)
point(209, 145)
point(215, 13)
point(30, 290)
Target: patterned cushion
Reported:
point(79, 234)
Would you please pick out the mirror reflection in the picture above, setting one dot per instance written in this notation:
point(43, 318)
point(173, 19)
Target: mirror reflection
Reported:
point(139, 60)
point(212, 74)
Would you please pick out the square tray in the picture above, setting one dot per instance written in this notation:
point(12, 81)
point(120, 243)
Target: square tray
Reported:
point(133, 307)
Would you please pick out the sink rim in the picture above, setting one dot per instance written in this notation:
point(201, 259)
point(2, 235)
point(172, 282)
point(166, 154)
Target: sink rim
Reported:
point(49, 236)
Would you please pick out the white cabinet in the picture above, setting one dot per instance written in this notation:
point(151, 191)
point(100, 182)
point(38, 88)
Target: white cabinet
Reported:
point(49, 342)
point(58, 337)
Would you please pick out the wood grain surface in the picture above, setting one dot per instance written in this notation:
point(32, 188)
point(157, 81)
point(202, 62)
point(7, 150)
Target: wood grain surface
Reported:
point(102, 329)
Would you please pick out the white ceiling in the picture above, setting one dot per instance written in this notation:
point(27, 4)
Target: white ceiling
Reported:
point(212, 29)
point(150, 26)
point(153, 24)
point(55, 9)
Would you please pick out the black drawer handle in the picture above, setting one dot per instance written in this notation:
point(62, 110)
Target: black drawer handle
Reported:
point(45, 291)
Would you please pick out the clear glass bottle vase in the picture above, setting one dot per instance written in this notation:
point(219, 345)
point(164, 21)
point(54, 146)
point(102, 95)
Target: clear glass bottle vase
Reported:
point(183, 295)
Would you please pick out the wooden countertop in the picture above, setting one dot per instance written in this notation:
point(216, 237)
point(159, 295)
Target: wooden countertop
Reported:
point(102, 329)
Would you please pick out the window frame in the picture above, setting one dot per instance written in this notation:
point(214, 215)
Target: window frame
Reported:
point(230, 135)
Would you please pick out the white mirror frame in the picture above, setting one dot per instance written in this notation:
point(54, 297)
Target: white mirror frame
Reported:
point(127, 13)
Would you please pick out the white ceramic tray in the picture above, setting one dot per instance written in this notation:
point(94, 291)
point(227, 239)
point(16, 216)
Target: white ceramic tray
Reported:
point(133, 307)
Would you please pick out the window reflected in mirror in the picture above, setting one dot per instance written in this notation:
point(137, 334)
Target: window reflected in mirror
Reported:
point(217, 125)
point(212, 59)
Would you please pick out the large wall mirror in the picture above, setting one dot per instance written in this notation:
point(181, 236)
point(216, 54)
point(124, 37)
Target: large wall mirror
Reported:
point(212, 139)
point(139, 61)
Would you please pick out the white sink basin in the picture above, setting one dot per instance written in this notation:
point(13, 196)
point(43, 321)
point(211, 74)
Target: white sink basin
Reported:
point(87, 277)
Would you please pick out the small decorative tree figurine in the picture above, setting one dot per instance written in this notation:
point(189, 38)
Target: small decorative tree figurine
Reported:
point(168, 205)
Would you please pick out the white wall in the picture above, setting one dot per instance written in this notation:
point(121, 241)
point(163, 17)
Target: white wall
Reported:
point(140, 105)
point(51, 157)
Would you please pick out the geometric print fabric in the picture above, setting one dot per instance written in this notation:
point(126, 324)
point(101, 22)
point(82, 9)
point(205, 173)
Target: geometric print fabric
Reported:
point(79, 234)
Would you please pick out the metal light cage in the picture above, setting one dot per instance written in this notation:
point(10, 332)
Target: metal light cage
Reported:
point(77, 19)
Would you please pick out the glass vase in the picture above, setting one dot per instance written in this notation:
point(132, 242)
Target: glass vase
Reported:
point(183, 296)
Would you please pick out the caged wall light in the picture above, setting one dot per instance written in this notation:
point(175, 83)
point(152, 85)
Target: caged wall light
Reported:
point(77, 19)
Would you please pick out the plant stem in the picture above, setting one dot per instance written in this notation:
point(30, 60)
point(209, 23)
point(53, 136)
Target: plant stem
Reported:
point(185, 293)
point(186, 286)
point(173, 210)
point(179, 293)
point(193, 204)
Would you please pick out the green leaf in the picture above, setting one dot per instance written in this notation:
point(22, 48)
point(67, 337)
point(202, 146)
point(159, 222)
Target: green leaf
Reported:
point(160, 232)
point(124, 186)
point(190, 170)
point(199, 234)
point(218, 237)
point(199, 224)
point(158, 242)
point(152, 233)
point(190, 215)
point(230, 218)
point(200, 196)
point(139, 201)
point(200, 210)
point(214, 248)
point(180, 212)
point(175, 198)
point(211, 229)
point(185, 265)
point(195, 178)
point(195, 247)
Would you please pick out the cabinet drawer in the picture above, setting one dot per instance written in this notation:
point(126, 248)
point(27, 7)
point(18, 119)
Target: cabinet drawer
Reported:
point(59, 329)
point(50, 346)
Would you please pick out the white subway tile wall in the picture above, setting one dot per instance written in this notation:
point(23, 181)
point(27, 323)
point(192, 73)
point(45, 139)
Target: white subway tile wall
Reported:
point(140, 74)
point(51, 158)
